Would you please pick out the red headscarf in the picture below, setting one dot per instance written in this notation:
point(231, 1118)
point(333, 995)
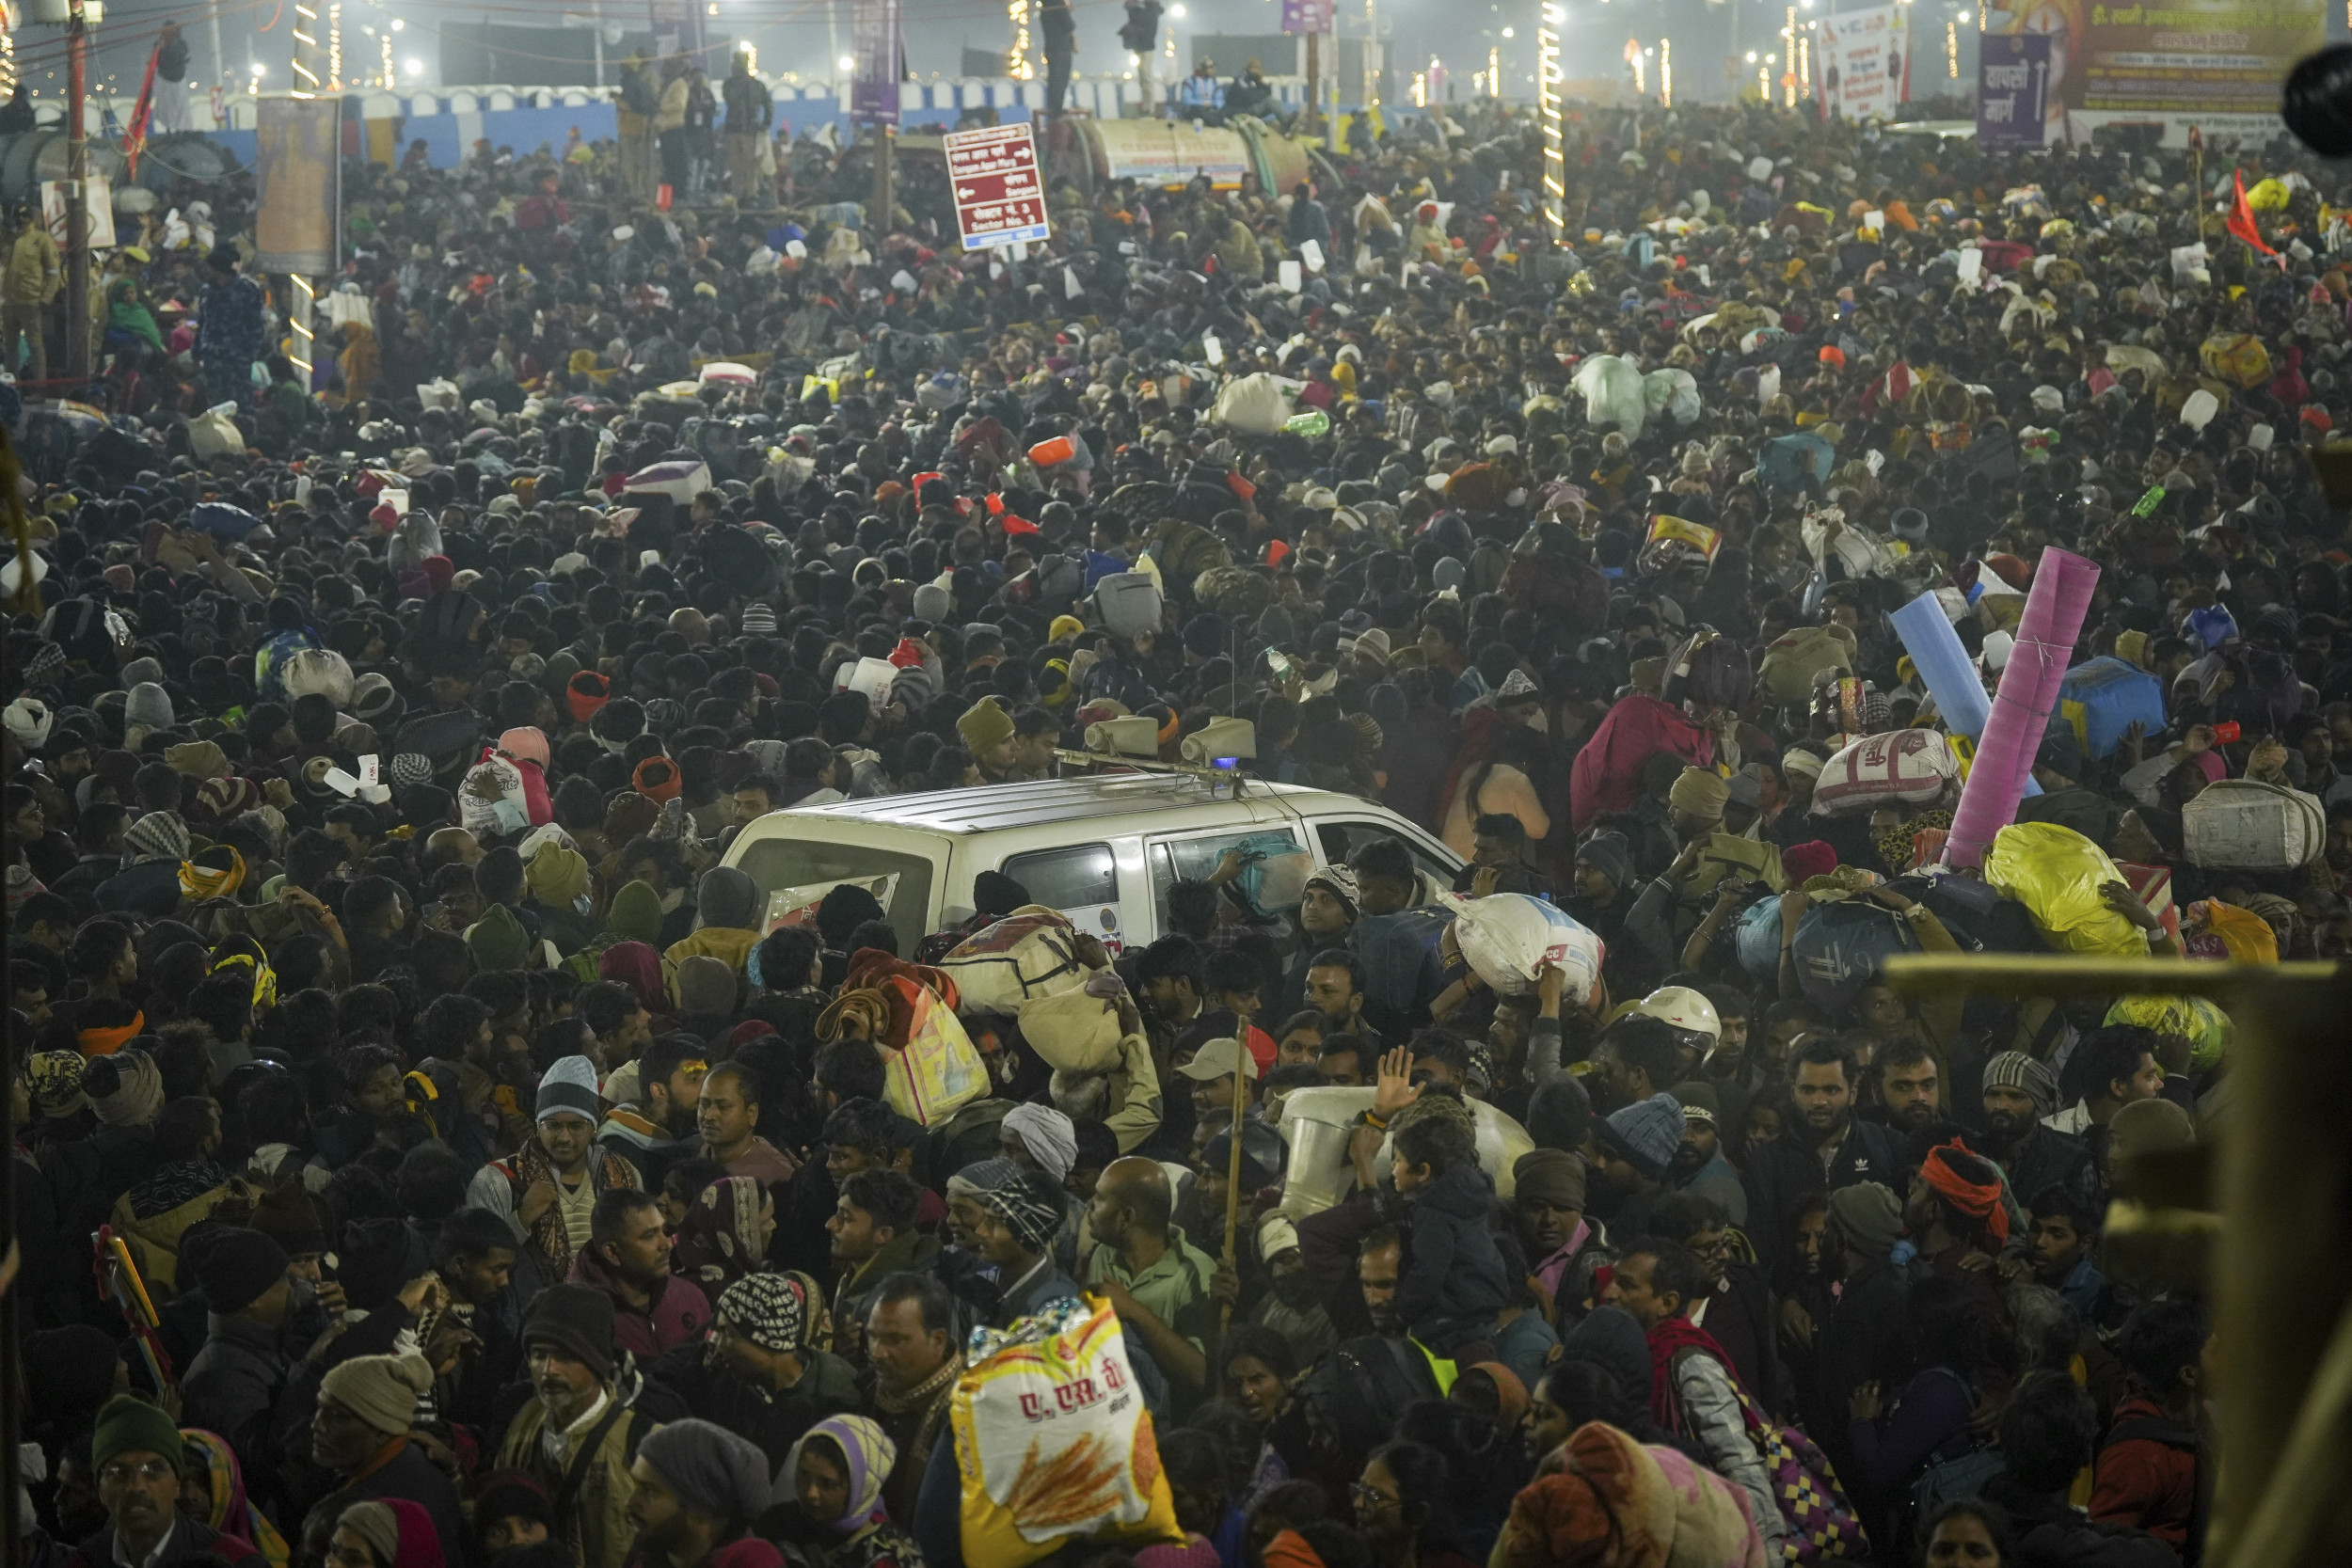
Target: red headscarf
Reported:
point(639, 967)
point(1969, 1184)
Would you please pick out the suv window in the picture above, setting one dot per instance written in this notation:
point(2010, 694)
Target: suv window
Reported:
point(1071, 878)
point(1192, 860)
point(810, 866)
point(1339, 838)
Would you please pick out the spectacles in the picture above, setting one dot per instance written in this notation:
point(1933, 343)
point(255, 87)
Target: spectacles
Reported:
point(122, 1473)
point(1369, 1499)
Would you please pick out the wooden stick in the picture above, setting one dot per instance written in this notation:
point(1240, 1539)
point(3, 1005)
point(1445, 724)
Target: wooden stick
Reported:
point(1232, 1185)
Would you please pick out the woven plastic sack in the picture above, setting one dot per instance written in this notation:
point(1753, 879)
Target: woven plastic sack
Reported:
point(1507, 939)
point(2057, 874)
point(1613, 392)
point(213, 433)
point(1906, 768)
point(1052, 1441)
point(2247, 825)
point(1030, 953)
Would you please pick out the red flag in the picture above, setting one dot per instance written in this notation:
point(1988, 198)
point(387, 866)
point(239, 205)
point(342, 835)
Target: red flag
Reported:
point(134, 139)
point(2242, 219)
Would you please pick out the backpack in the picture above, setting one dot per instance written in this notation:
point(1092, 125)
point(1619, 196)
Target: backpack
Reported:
point(1361, 1388)
point(1957, 1479)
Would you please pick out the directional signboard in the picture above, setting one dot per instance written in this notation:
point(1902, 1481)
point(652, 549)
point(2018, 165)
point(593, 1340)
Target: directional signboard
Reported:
point(999, 198)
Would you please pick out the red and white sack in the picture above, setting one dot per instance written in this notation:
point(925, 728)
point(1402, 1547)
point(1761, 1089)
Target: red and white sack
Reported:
point(1900, 768)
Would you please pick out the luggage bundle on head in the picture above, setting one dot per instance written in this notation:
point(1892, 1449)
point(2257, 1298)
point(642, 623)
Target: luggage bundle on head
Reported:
point(1709, 671)
point(1841, 947)
point(930, 1066)
point(2101, 699)
point(1356, 1392)
point(1792, 659)
point(448, 740)
point(1053, 1442)
point(738, 561)
point(1073, 1031)
point(211, 433)
point(1509, 938)
point(1899, 767)
point(1129, 603)
point(2057, 874)
point(1253, 405)
point(2236, 358)
point(1032, 952)
point(1235, 593)
point(2246, 825)
point(319, 669)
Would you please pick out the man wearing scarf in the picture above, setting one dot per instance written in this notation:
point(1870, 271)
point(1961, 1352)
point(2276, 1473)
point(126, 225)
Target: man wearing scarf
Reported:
point(910, 1341)
point(548, 1189)
point(1694, 1392)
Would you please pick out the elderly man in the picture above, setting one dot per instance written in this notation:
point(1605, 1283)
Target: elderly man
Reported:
point(136, 1454)
point(359, 1434)
point(576, 1415)
point(699, 1487)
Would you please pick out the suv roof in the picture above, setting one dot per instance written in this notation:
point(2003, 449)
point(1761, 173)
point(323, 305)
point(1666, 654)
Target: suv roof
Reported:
point(1045, 801)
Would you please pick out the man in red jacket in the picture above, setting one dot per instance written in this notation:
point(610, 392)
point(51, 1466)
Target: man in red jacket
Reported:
point(627, 1258)
point(2146, 1476)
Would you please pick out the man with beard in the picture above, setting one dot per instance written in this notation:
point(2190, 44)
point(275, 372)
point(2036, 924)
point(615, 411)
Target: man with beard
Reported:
point(1335, 988)
point(627, 1258)
point(698, 1488)
point(1636, 1145)
point(2018, 1093)
point(1699, 1166)
point(1911, 1095)
point(475, 1254)
point(1567, 1244)
point(576, 1421)
point(548, 1189)
point(1825, 1148)
point(653, 1131)
point(1738, 1311)
point(136, 1454)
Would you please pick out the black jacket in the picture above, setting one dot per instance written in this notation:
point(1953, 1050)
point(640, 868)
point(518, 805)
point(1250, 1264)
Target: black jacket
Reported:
point(1455, 1271)
point(1787, 1169)
point(190, 1539)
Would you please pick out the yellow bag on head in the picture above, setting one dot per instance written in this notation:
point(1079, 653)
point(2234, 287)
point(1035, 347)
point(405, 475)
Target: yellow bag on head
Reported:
point(1054, 1443)
point(2057, 874)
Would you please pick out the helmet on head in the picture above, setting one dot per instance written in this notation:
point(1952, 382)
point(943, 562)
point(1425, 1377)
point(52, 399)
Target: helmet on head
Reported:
point(1688, 1012)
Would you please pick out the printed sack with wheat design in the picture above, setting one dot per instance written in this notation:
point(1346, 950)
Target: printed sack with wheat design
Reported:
point(1052, 1441)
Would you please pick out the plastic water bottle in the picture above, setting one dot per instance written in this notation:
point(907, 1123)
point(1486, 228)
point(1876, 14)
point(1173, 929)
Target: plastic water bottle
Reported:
point(1312, 423)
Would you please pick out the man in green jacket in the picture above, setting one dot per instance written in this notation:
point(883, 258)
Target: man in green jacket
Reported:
point(33, 275)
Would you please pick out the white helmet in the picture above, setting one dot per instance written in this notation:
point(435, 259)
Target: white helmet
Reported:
point(1686, 1009)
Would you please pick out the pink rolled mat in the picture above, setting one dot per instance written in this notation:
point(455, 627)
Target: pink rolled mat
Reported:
point(2056, 604)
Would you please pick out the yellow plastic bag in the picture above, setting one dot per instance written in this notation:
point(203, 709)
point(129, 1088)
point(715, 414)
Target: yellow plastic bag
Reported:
point(2206, 1027)
point(2246, 934)
point(1054, 1443)
point(2236, 358)
point(2057, 873)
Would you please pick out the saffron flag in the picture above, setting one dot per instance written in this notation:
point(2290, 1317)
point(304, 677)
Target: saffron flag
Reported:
point(134, 139)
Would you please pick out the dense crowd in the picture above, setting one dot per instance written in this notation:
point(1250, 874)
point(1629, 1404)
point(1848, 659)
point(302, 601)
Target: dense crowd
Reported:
point(501, 1182)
